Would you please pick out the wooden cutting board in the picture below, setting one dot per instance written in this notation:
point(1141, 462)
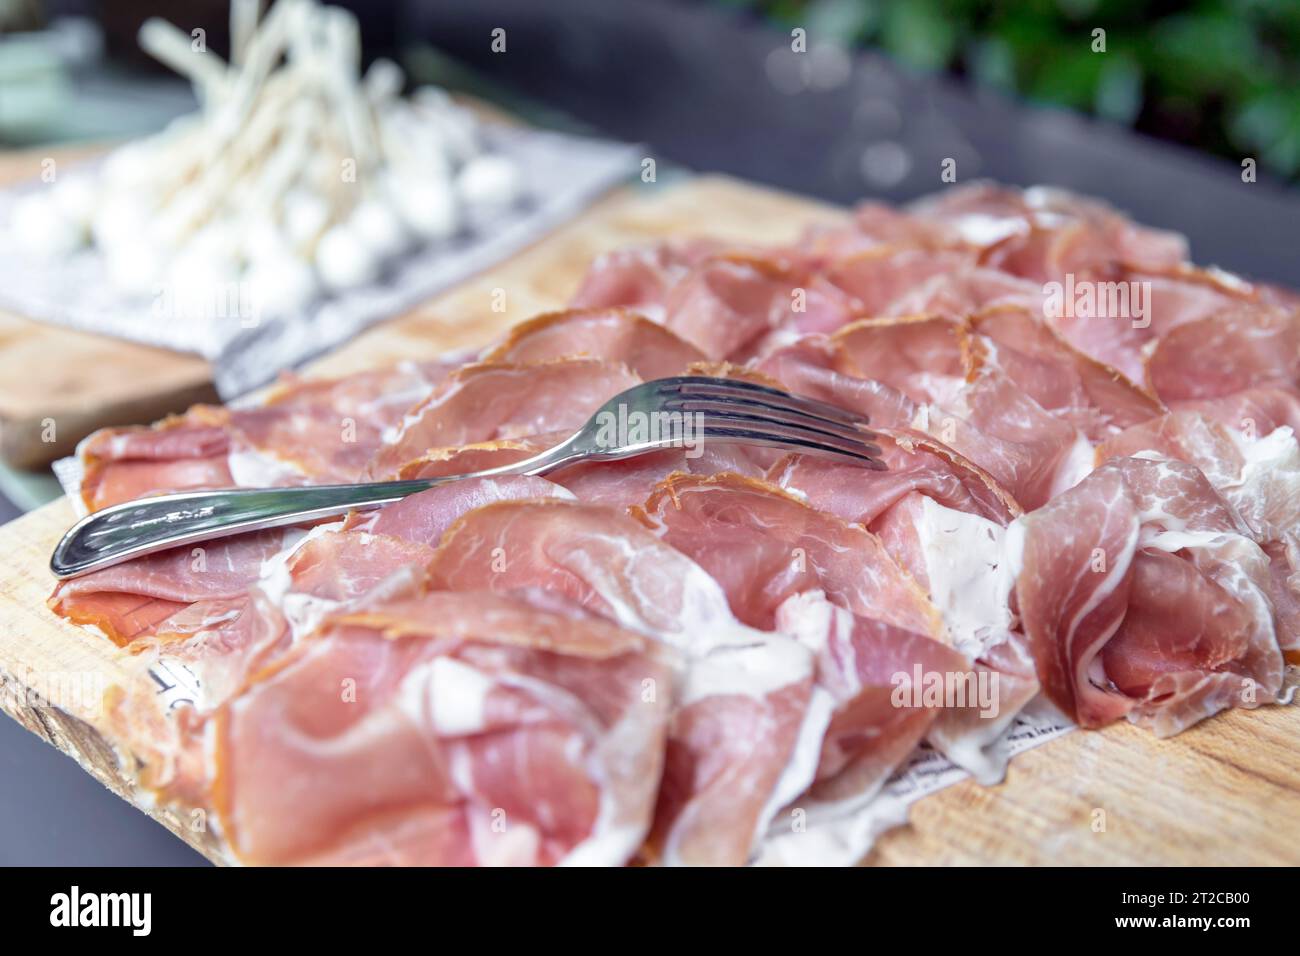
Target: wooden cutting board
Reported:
point(1225, 792)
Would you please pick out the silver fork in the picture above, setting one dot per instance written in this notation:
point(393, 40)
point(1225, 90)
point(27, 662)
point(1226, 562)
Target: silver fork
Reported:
point(671, 412)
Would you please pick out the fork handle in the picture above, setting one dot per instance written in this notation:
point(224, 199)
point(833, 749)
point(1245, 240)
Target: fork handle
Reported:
point(136, 528)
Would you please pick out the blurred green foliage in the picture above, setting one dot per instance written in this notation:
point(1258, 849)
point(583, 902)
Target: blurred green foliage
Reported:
point(1223, 75)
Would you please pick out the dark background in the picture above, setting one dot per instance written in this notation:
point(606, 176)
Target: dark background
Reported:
point(715, 87)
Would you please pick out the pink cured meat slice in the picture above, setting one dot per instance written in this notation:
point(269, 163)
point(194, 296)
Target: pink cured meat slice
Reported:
point(726, 303)
point(1225, 354)
point(764, 545)
point(424, 517)
point(926, 358)
point(745, 705)
point(1060, 378)
point(613, 334)
point(812, 366)
point(131, 600)
point(495, 709)
point(869, 670)
point(1116, 577)
point(640, 277)
point(915, 462)
point(491, 400)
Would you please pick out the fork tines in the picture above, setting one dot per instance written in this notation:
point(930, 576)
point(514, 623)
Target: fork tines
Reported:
point(747, 411)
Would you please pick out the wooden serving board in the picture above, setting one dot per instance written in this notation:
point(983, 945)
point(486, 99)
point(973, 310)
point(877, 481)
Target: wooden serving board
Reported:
point(1225, 792)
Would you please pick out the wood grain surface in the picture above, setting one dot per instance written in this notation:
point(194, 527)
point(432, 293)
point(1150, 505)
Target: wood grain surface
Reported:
point(1225, 792)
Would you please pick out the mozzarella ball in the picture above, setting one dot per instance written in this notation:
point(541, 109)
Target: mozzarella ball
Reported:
point(427, 204)
point(122, 218)
point(75, 197)
point(489, 182)
point(203, 284)
point(263, 239)
point(44, 228)
point(343, 261)
point(380, 228)
point(281, 284)
point(219, 239)
point(305, 215)
point(134, 268)
point(128, 166)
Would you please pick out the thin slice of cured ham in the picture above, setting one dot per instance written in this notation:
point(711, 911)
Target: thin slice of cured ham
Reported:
point(926, 358)
point(870, 670)
point(199, 659)
point(1143, 596)
point(1063, 380)
point(763, 544)
point(812, 366)
point(133, 599)
point(1258, 476)
point(613, 334)
point(492, 400)
point(1044, 232)
point(877, 278)
point(997, 426)
point(728, 302)
point(915, 462)
point(1117, 318)
point(744, 730)
point(958, 294)
point(624, 484)
point(1227, 353)
point(1253, 411)
point(318, 430)
point(523, 735)
point(180, 453)
point(478, 456)
point(959, 558)
point(424, 517)
point(325, 430)
point(640, 277)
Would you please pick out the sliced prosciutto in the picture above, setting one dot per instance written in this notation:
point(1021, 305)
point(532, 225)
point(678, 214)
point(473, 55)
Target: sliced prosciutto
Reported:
point(521, 729)
point(501, 400)
point(640, 277)
point(763, 545)
point(727, 303)
point(614, 334)
point(301, 431)
point(960, 559)
point(720, 654)
point(1214, 357)
point(873, 280)
point(1258, 476)
point(1096, 398)
point(916, 462)
point(926, 358)
point(875, 674)
point(813, 366)
point(747, 717)
point(1143, 596)
point(994, 424)
point(181, 453)
point(424, 517)
point(131, 600)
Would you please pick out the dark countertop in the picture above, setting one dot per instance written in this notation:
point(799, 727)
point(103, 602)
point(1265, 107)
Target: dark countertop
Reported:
point(704, 89)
